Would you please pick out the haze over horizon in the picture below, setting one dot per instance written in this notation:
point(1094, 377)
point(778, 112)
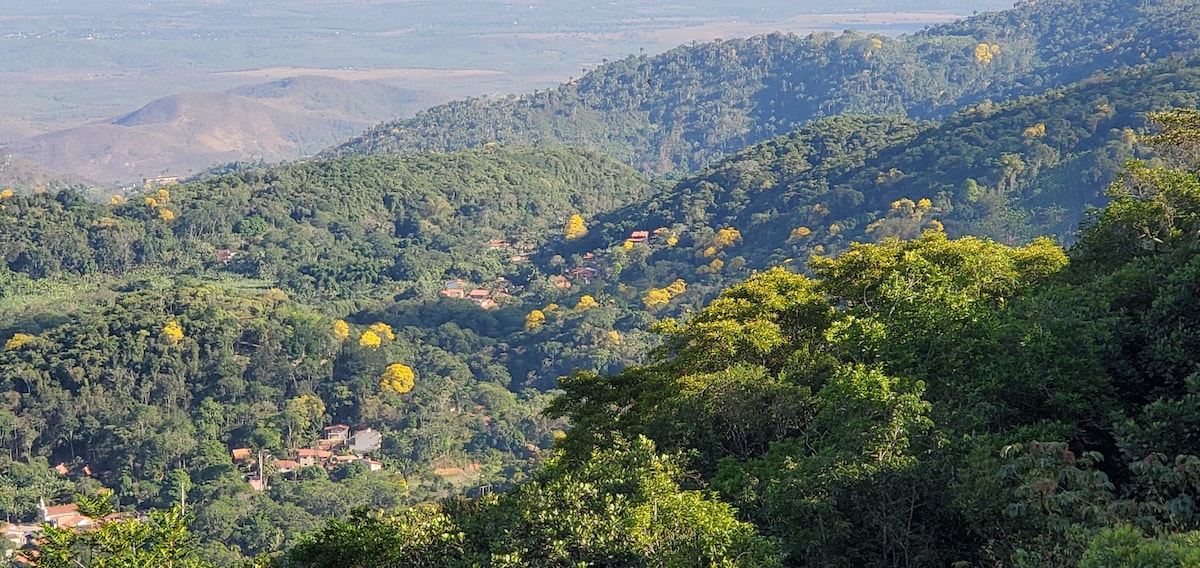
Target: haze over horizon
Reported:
point(72, 61)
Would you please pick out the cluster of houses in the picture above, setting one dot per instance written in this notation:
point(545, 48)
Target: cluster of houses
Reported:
point(592, 270)
point(64, 516)
point(520, 251)
point(338, 445)
point(485, 298)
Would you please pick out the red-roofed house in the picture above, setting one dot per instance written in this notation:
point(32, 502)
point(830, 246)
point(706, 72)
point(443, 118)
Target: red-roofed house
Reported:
point(286, 466)
point(242, 454)
point(61, 515)
point(479, 294)
point(586, 274)
point(560, 281)
point(455, 293)
point(638, 236)
point(62, 469)
point(337, 432)
point(306, 457)
point(17, 535)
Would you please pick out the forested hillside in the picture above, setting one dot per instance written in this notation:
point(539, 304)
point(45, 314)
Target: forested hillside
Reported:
point(333, 228)
point(685, 108)
point(1010, 171)
point(146, 338)
point(876, 336)
point(930, 402)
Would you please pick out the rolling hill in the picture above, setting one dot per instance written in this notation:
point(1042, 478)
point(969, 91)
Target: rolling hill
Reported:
point(1012, 172)
point(689, 106)
point(188, 132)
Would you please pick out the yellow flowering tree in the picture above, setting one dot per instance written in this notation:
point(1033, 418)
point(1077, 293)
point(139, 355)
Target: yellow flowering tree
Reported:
point(535, 319)
point(398, 378)
point(369, 339)
point(6, 194)
point(727, 237)
point(984, 53)
point(574, 228)
point(173, 331)
point(656, 298)
point(17, 340)
point(799, 233)
point(383, 330)
point(341, 330)
point(585, 302)
point(677, 287)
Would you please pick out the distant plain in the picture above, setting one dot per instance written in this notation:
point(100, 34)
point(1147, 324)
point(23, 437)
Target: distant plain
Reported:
point(67, 63)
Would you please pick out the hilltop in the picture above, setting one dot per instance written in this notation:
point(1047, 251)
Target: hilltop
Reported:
point(691, 105)
point(186, 133)
point(1012, 171)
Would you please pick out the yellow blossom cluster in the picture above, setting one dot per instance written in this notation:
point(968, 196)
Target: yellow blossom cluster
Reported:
point(658, 297)
point(173, 331)
point(535, 319)
point(17, 340)
point(398, 378)
point(799, 233)
point(984, 53)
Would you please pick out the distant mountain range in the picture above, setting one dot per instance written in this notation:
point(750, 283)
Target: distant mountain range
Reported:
point(185, 133)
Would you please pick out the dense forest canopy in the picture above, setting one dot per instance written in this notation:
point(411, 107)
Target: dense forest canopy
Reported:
point(863, 340)
point(923, 402)
point(689, 106)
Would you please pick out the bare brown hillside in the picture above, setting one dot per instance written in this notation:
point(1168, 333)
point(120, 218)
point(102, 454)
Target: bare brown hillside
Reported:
point(186, 133)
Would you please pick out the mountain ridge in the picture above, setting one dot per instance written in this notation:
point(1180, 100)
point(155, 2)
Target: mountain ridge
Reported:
point(687, 107)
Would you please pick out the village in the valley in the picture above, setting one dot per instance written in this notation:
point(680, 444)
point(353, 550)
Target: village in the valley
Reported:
point(594, 267)
point(340, 444)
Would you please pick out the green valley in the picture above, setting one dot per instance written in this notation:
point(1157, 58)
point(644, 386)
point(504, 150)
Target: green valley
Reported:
point(839, 300)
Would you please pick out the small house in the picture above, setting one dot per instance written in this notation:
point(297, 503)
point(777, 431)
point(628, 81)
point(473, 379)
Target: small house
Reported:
point(61, 515)
point(308, 457)
point(337, 432)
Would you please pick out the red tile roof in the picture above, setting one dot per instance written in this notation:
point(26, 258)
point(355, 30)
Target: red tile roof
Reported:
point(61, 510)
